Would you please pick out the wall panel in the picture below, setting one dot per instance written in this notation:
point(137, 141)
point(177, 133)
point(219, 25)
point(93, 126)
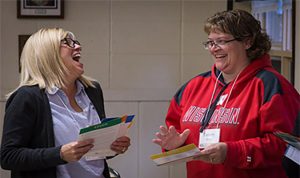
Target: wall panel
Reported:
point(140, 51)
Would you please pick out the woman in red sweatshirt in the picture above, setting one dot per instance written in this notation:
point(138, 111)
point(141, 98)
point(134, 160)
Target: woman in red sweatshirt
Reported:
point(232, 111)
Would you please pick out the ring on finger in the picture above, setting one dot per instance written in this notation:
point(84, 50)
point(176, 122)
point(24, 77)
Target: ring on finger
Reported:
point(124, 149)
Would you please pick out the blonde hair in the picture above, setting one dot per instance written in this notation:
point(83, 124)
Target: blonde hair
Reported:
point(41, 63)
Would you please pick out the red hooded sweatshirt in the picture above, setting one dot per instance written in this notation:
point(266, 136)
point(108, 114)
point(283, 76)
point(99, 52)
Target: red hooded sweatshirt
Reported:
point(248, 111)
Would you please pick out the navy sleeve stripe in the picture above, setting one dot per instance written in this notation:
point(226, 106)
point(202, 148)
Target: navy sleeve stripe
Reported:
point(179, 93)
point(271, 84)
point(296, 130)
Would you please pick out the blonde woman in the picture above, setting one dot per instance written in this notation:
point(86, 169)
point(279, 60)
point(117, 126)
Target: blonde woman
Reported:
point(45, 112)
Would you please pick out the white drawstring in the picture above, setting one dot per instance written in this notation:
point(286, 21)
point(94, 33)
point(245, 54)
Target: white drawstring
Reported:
point(229, 96)
point(212, 96)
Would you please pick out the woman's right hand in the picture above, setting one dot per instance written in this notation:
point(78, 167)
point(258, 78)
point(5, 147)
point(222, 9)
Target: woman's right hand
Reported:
point(169, 138)
point(73, 151)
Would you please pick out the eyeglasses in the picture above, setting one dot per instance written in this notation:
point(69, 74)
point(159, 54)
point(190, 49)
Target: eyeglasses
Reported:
point(70, 42)
point(216, 43)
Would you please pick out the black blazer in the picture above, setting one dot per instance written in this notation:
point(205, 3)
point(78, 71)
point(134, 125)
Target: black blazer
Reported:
point(28, 146)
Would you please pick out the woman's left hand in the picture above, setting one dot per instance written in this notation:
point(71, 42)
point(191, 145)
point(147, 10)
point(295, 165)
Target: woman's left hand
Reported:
point(120, 145)
point(214, 153)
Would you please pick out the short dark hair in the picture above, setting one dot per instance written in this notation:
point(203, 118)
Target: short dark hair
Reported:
point(241, 25)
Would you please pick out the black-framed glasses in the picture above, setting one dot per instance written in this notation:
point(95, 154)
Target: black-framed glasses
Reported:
point(70, 42)
point(216, 43)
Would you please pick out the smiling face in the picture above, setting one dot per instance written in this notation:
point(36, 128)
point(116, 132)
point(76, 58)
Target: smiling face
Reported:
point(230, 57)
point(70, 52)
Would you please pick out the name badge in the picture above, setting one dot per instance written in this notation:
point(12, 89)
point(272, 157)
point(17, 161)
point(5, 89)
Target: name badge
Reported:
point(209, 136)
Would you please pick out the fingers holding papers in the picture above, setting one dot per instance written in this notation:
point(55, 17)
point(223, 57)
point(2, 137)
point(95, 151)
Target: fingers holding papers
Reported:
point(73, 151)
point(121, 145)
point(214, 153)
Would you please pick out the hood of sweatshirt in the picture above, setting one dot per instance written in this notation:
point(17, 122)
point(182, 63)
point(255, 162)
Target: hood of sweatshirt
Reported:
point(258, 64)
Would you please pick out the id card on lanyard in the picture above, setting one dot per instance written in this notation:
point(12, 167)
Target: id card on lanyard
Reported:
point(209, 136)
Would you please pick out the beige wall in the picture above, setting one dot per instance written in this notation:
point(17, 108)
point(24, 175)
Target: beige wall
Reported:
point(140, 50)
point(0, 51)
point(161, 38)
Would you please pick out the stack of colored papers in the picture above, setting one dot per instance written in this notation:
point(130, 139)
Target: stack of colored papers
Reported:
point(181, 154)
point(104, 134)
point(293, 150)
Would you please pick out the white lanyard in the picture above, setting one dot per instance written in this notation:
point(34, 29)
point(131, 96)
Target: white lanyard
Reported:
point(210, 136)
